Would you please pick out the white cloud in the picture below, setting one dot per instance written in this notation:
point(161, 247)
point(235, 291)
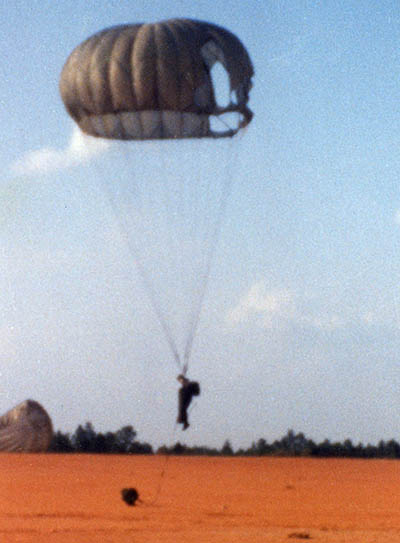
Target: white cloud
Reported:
point(277, 308)
point(268, 306)
point(81, 148)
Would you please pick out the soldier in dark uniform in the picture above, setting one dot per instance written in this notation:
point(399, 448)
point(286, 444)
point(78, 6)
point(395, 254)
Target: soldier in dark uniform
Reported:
point(185, 394)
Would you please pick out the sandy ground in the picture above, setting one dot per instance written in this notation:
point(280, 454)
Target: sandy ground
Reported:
point(76, 498)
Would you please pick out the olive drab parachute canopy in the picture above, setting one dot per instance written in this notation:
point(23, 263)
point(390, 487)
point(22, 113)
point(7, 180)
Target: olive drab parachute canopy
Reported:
point(153, 81)
point(25, 428)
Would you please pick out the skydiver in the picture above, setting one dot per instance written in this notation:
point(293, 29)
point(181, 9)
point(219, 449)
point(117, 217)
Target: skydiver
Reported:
point(185, 394)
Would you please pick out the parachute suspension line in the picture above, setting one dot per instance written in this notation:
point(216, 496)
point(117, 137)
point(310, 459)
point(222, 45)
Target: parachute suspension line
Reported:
point(190, 200)
point(122, 220)
point(181, 222)
point(169, 194)
point(223, 122)
point(199, 205)
point(214, 236)
point(174, 194)
point(153, 299)
point(196, 197)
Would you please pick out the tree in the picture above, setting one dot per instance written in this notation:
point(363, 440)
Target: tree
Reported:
point(84, 438)
point(124, 439)
point(61, 443)
point(227, 449)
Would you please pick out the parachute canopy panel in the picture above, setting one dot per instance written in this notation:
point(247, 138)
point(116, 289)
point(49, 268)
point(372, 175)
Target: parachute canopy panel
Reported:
point(26, 428)
point(153, 81)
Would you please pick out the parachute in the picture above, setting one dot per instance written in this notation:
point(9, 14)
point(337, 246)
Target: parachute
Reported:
point(151, 89)
point(153, 81)
point(26, 428)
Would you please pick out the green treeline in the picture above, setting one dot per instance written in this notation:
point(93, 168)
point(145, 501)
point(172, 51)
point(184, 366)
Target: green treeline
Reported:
point(86, 440)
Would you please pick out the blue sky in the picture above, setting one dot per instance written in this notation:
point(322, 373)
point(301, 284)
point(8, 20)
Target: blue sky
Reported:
point(300, 325)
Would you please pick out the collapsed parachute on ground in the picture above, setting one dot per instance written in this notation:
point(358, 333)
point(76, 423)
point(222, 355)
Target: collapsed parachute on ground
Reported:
point(25, 428)
point(153, 81)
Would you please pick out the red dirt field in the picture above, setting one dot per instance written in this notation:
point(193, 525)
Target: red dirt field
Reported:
point(76, 498)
